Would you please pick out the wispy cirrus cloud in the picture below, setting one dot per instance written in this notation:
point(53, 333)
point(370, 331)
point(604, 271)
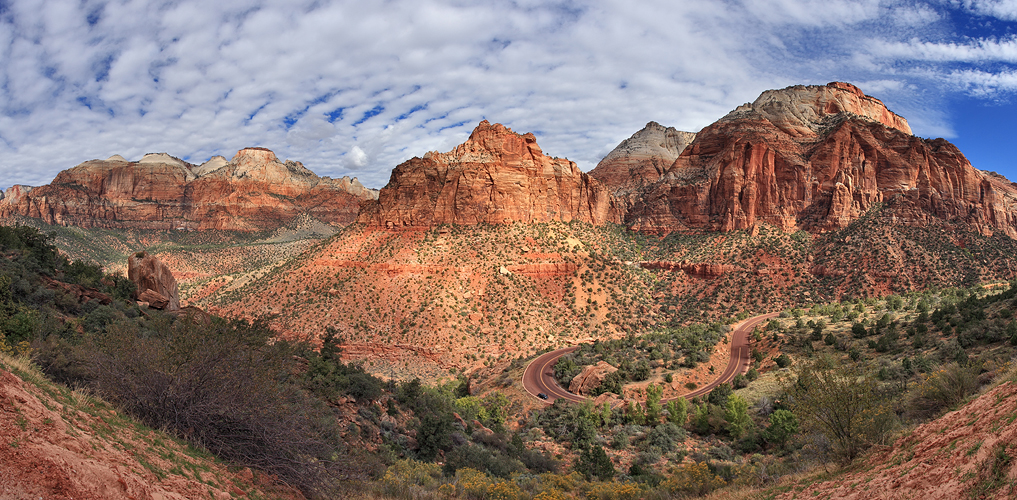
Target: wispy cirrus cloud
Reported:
point(354, 88)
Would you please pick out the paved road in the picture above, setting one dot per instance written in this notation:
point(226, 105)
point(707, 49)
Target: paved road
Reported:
point(539, 376)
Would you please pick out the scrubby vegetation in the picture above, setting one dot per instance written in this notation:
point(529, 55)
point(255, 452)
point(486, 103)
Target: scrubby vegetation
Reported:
point(296, 408)
point(639, 358)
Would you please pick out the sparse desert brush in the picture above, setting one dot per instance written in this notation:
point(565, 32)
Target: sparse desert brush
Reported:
point(692, 479)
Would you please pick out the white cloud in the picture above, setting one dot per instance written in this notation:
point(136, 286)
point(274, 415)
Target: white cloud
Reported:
point(357, 87)
point(1002, 9)
point(357, 157)
point(975, 51)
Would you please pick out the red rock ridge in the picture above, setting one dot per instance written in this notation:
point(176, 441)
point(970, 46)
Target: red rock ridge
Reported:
point(815, 169)
point(497, 176)
point(253, 191)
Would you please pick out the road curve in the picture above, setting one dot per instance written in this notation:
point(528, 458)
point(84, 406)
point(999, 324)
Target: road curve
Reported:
point(538, 377)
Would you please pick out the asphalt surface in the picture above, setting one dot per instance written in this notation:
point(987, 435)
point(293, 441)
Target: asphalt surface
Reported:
point(538, 378)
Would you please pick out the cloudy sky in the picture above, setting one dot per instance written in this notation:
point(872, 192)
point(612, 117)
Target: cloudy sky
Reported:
point(354, 87)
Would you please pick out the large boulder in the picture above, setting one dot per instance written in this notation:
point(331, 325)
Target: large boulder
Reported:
point(590, 378)
point(155, 282)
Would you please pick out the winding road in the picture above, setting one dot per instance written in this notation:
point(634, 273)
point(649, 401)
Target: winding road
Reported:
point(539, 375)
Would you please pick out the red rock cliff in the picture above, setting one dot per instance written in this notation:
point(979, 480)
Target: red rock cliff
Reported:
point(817, 158)
point(253, 191)
point(497, 176)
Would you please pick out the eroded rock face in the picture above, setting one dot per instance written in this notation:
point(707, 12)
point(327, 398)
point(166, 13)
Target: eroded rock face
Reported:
point(253, 191)
point(818, 158)
point(497, 176)
point(640, 160)
point(155, 282)
point(590, 378)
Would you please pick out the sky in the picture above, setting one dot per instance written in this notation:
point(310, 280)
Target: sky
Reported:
point(357, 87)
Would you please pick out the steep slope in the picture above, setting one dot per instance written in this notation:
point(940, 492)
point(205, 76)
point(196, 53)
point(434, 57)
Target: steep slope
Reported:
point(964, 454)
point(817, 158)
point(59, 444)
point(497, 176)
point(253, 191)
point(640, 160)
point(421, 303)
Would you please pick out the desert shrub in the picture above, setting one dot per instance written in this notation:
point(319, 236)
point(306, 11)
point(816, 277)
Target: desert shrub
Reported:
point(783, 361)
point(664, 437)
point(569, 422)
point(718, 396)
point(593, 462)
point(481, 458)
point(328, 377)
point(223, 386)
point(942, 389)
point(842, 404)
point(406, 473)
point(615, 491)
point(472, 483)
point(692, 479)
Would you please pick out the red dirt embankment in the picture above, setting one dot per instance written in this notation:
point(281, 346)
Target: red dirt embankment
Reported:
point(968, 453)
point(59, 445)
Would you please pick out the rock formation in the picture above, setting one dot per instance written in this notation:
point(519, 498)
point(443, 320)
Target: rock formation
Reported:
point(817, 158)
point(497, 176)
point(590, 378)
point(155, 282)
point(640, 160)
point(253, 191)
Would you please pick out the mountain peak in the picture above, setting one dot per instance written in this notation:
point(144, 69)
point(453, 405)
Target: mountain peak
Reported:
point(496, 176)
point(805, 110)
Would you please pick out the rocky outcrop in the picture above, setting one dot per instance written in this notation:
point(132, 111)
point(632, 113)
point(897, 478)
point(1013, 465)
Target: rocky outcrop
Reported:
point(497, 176)
point(590, 378)
point(80, 294)
point(702, 270)
point(13, 195)
point(155, 282)
point(543, 270)
point(640, 160)
point(253, 191)
point(817, 158)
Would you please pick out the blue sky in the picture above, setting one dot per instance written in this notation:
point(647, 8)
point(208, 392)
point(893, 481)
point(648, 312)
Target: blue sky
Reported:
point(354, 88)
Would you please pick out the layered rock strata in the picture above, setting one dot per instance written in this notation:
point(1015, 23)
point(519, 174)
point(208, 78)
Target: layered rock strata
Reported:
point(253, 191)
point(640, 160)
point(497, 176)
point(817, 158)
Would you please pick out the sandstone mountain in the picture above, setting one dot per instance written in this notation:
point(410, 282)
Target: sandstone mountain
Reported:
point(497, 176)
point(640, 160)
point(253, 191)
point(817, 158)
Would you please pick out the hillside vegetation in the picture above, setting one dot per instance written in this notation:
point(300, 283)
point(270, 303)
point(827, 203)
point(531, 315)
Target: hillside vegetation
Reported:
point(304, 415)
